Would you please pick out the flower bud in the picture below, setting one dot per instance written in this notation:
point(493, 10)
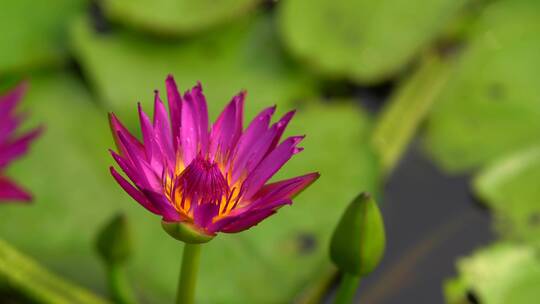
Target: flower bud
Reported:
point(186, 232)
point(358, 242)
point(113, 242)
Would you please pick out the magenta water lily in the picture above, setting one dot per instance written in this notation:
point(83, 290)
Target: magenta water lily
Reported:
point(12, 145)
point(209, 178)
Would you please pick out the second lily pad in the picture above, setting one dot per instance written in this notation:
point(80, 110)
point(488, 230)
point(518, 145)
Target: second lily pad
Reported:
point(125, 68)
point(491, 104)
point(362, 40)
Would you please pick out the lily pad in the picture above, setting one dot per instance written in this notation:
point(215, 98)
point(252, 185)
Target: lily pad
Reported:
point(67, 172)
point(34, 32)
point(499, 274)
point(491, 104)
point(125, 68)
point(510, 188)
point(176, 17)
point(362, 40)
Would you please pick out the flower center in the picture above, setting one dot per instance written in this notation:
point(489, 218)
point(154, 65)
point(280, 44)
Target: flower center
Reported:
point(201, 183)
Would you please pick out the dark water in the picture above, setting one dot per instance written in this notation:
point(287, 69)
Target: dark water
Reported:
point(431, 220)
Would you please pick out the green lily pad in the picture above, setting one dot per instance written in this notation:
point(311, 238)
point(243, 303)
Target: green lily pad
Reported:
point(510, 188)
point(34, 32)
point(126, 68)
point(67, 172)
point(499, 274)
point(491, 104)
point(176, 17)
point(362, 40)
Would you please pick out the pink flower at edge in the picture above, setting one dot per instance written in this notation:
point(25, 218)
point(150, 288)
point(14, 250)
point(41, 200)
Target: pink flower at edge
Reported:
point(213, 178)
point(13, 146)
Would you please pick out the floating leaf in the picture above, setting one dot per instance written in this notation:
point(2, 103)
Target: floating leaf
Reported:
point(67, 172)
point(500, 274)
point(176, 17)
point(34, 32)
point(125, 68)
point(510, 188)
point(491, 105)
point(362, 40)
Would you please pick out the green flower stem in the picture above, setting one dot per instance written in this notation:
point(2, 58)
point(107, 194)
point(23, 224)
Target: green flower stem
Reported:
point(119, 287)
point(347, 289)
point(188, 274)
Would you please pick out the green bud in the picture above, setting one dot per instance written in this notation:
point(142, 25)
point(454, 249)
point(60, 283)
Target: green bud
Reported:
point(358, 242)
point(113, 242)
point(186, 232)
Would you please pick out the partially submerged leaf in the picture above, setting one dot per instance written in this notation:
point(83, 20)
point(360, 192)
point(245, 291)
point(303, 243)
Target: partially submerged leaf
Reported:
point(510, 187)
point(362, 40)
point(491, 105)
point(34, 32)
point(176, 17)
point(500, 274)
point(125, 68)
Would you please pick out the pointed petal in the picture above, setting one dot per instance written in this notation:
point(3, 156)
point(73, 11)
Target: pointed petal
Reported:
point(175, 107)
point(148, 177)
point(116, 128)
point(285, 189)
point(258, 126)
point(164, 206)
point(281, 125)
point(196, 120)
point(248, 221)
point(204, 213)
point(133, 192)
point(9, 101)
point(227, 129)
point(189, 132)
point(9, 191)
point(162, 129)
point(7, 126)
point(270, 165)
point(11, 151)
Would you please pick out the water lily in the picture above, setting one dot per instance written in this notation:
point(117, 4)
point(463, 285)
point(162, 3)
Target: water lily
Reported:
point(12, 144)
point(205, 179)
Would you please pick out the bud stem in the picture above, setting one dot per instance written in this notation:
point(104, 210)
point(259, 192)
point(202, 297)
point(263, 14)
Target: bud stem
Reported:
point(188, 274)
point(119, 287)
point(347, 289)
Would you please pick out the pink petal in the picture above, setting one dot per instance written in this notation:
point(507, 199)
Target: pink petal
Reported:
point(175, 106)
point(116, 128)
point(189, 132)
point(204, 213)
point(165, 208)
point(11, 151)
point(149, 178)
point(228, 127)
point(9, 101)
point(270, 165)
point(133, 192)
point(258, 126)
point(248, 221)
point(281, 125)
point(195, 101)
point(7, 126)
point(282, 190)
point(9, 191)
point(162, 129)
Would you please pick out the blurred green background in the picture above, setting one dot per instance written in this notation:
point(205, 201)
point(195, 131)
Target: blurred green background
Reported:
point(460, 78)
